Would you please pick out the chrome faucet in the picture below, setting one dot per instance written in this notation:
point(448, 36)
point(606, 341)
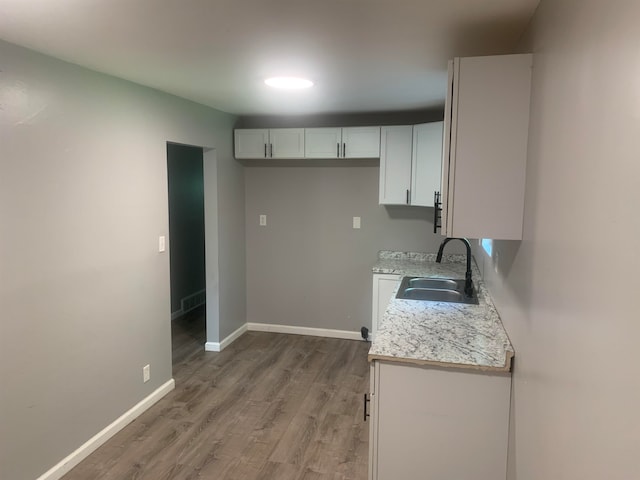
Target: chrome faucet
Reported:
point(468, 283)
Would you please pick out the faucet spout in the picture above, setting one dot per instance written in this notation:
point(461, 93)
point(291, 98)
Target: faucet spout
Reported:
point(468, 282)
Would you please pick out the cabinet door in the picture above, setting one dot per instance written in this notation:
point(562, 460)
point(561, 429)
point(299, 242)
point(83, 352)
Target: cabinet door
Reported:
point(374, 372)
point(322, 142)
point(384, 286)
point(426, 163)
point(361, 142)
point(286, 142)
point(395, 165)
point(488, 146)
point(251, 143)
point(440, 424)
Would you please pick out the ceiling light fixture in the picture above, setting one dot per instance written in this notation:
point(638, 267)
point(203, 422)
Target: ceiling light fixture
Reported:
point(289, 83)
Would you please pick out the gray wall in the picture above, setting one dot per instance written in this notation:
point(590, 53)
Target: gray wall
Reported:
point(309, 267)
point(186, 221)
point(566, 293)
point(84, 292)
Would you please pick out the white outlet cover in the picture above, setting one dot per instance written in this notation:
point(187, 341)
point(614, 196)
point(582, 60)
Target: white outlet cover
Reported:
point(146, 373)
point(356, 222)
point(263, 220)
point(161, 244)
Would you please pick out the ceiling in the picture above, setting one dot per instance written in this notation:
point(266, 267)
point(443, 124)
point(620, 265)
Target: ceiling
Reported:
point(363, 55)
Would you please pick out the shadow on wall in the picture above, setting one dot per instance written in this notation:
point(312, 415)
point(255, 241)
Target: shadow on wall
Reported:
point(400, 212)
point(343, 120)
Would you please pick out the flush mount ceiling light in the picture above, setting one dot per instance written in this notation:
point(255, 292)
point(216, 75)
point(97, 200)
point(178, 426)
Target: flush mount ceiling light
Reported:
point(289, 83)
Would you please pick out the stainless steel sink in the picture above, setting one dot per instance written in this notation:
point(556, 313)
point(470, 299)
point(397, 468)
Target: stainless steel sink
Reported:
point(437, 283)
point(435, 290)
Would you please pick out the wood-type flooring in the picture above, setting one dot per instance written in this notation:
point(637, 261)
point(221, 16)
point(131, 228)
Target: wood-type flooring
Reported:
point(270, 406)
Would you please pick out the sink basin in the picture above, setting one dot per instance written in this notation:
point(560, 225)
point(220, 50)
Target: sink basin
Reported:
point(435, 290)
point(436, 283)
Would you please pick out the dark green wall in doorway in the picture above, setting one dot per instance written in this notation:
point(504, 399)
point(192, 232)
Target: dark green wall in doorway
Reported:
point(186, 222)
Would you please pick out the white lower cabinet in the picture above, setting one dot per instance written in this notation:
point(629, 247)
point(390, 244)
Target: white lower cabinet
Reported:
point(384, 286)
point(437, 423)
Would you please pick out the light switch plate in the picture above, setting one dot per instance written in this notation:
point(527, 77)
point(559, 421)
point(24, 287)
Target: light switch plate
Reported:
point(161, 243)
point(356, 222)
point(263, 220)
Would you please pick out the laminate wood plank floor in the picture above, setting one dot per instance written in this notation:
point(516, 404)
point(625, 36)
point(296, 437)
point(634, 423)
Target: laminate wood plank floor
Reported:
point(270, 406)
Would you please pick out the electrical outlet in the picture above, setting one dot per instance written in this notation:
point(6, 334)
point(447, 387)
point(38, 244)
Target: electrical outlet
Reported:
point(356, 222)
point(146, 373)
point(161, 244)
point(263, 220)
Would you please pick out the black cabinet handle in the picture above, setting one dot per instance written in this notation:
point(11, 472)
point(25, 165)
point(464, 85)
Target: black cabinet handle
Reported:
point(265, 150)
point(344, 150)
point(407, 196)
point(338, 150)
point(437, 212)
point(366, 400)
point(271, 145)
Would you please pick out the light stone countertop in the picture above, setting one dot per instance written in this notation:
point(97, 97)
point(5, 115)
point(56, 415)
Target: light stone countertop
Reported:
point(439, 333)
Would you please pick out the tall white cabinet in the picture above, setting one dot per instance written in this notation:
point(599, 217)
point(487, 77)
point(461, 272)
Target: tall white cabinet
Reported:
point(410, 164)
point(485, 146)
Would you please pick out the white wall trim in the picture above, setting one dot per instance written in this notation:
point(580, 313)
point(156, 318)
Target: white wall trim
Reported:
point(314, 332)
point(290, 329)
point(67, 463)
point(219, 346)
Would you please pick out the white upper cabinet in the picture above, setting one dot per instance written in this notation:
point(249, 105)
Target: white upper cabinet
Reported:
point(395, 165)
point(410, 163)
point(269, 143)
point(322, 142)
point(485, 147)
point(347, 142)
point(286, 142)
point(251, 143)
point(426, 162)
point(361, 142)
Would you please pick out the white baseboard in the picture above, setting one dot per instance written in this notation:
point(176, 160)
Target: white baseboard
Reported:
point(219, 346)
point(314, 332)
point(269, 327)
point(67, 463)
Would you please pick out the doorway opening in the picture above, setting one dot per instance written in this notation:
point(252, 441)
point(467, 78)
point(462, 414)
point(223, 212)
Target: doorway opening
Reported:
point(185, 180)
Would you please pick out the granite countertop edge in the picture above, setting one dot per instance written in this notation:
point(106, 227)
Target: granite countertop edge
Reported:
point(439, 334)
